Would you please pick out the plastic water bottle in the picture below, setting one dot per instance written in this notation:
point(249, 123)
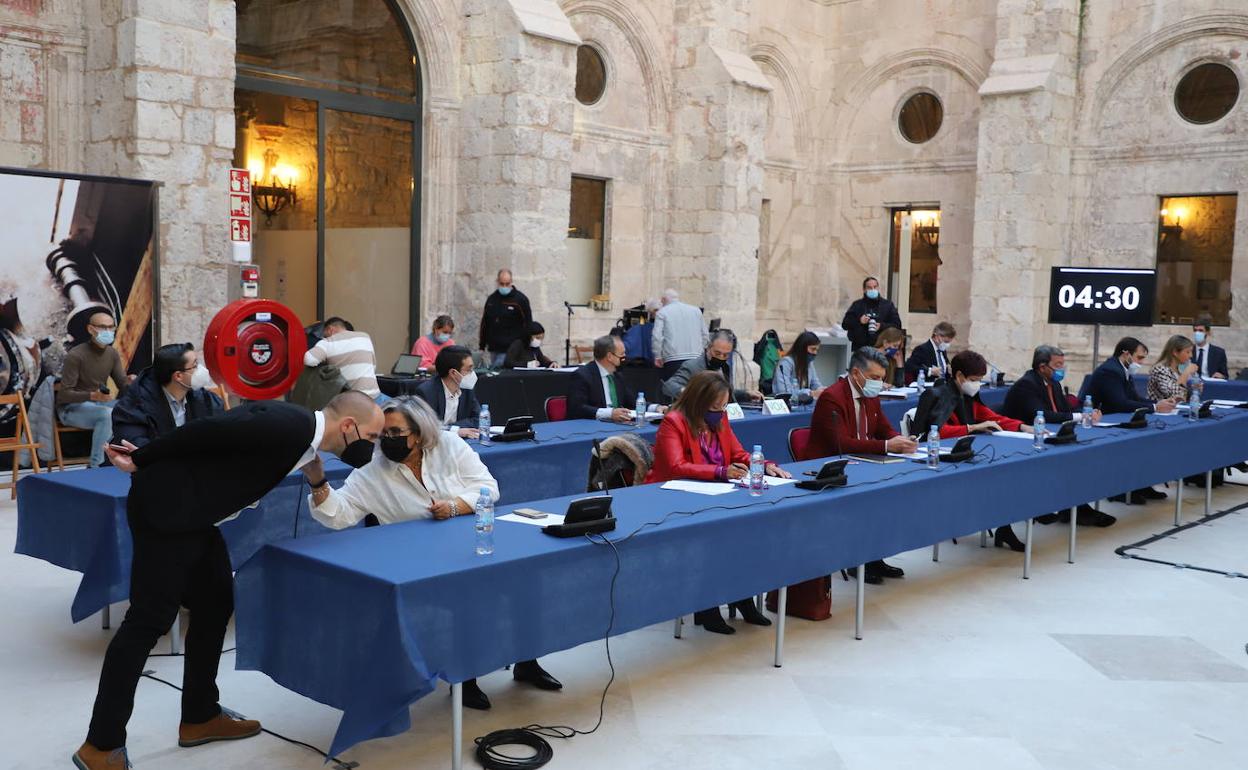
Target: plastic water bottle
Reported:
point(484, 524)
point(757, 463)
point(1037, 426)
point(1087, 411)
point(920, 384)
point(639, 411)
point(1195, 389)
point(483, 424)
point(933, 448)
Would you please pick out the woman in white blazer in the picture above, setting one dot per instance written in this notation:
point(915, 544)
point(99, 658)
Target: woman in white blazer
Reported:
point(425, 472)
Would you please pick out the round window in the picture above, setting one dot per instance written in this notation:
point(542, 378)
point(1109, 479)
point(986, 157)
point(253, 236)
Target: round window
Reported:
point(920, 117)
point(591, 75)
point(1206, 93)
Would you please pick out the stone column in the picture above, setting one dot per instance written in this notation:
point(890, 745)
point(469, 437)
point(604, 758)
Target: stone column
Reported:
point(160, 93)
point(515, 157)
point(717, 178)
point(1022, 196)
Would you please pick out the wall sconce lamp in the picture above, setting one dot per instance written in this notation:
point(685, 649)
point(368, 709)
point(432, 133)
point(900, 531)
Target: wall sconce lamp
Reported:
point(927, 227)
point(277, 192)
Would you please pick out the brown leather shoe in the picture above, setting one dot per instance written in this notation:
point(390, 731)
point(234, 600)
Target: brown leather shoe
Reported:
point(222, 727)
point(90, 758)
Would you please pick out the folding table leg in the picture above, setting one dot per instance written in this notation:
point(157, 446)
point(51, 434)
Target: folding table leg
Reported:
point(935, 551)
point(760, 602)
point(106, 617)
point(457, 726)
point(1178, 503)
point(1208, 492)
point(983, 538)
point(1031, 524)
point(175, 635)
point(859, 600)
point(781, 605)
point(680, 622)
point(1074, 527)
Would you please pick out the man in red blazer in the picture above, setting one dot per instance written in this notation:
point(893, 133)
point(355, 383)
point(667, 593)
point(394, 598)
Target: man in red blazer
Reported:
point(848, 419)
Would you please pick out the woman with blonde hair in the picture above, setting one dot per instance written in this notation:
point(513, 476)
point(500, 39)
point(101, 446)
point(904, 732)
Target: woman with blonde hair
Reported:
point(891, 341)
point(1169, 376)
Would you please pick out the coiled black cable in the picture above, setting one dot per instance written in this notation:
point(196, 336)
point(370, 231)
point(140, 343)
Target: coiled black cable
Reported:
point(491, 758)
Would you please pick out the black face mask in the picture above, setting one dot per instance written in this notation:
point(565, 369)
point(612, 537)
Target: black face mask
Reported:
point(716, 365)
point(357, 453)
point(395, 448)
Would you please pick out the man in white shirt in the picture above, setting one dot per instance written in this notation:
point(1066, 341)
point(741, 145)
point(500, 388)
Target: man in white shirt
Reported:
point(1209, 357)
point(679, 334)
point(350, 351)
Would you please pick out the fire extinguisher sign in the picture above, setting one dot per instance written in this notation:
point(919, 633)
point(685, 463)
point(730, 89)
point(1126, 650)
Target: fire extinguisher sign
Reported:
point(240, 205)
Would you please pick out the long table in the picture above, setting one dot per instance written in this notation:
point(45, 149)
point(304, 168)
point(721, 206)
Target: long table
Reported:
point(429, 608)
point(77, 520)
point(1227, 390)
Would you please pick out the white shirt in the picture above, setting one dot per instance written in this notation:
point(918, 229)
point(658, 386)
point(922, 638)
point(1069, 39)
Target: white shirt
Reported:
point(177, 407)
point(317, 434)
point(679, 333)
point(452, 407)
point(605, 412)
point(391, 492)
point(942, 362)
point(1204, 361)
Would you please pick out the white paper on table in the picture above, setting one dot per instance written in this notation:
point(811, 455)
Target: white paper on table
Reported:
point(1106, 425)
point(701, 487)
point(567, 368)
point(920, 453)
point(497, 430)
point(553, 518)
point(899, 392)
point(1224, 403)
point(776, 481)
point(1014, 434)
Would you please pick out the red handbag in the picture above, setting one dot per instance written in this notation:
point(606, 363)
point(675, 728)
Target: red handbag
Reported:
point(811, 600)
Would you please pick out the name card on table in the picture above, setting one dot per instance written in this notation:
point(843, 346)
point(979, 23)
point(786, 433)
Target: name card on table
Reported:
point(734, 412)
point(775, 406)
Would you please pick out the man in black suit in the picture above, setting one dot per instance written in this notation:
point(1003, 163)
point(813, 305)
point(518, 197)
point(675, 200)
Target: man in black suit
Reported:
point(868, 315)
point(595, 392)
point(1209, 357)
point(932, 356)
point(162, 398)
point(1040, 390)
point(1113, 392)
point(182, 485)
point(451, 392)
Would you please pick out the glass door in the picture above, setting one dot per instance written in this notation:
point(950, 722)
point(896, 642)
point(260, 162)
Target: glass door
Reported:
point(368, 238)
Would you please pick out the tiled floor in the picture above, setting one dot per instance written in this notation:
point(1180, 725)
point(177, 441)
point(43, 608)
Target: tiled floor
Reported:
point(1109, 664)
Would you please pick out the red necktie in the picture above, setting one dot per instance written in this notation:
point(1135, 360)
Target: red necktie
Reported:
point(862, 419)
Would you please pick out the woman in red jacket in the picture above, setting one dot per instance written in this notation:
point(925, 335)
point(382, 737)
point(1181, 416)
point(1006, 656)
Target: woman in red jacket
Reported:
point(696, 442)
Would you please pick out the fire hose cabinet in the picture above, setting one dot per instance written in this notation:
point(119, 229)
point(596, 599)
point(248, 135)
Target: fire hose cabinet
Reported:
point(255, 348)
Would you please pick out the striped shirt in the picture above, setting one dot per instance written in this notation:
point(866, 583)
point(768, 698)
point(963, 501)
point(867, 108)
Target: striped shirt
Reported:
point(352, 353)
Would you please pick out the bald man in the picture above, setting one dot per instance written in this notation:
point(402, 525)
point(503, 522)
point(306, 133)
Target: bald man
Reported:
point(182, 485)
point(83, 400)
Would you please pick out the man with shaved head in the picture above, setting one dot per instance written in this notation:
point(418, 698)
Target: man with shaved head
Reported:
point(183, 484)
point(83, 400)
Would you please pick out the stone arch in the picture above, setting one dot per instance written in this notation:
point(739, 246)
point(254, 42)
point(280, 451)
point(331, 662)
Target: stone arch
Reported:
point(642, 33)
point(1226, 24)
point(794, 87)
point(433, 24)
point(873, 77)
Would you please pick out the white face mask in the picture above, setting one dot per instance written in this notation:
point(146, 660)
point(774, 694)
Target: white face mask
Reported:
point(943, 347)
point(468, 381)
point(536, 342)
point(1134, 367)
point(971, 388)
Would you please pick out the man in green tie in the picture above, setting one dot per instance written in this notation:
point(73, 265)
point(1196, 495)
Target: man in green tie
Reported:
point(595, 392)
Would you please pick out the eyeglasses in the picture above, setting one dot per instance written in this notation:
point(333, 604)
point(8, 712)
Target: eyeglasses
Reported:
point(395, 433)
point(102, 327)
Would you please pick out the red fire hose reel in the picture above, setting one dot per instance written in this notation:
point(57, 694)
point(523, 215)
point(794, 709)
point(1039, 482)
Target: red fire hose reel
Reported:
point(255, 348)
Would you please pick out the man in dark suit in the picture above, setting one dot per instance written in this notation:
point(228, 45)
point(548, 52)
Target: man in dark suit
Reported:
point(162, 398)
point(1113, 392)
point(595, 392)
point(1209, 357)
point(868, 314)
point(932, 356)
point(848, 418)
point(182, 485)
point(1040, 390)
point(451, 392)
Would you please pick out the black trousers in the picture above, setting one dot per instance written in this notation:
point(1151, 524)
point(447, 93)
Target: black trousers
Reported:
point(670, 368)
point(169, 571)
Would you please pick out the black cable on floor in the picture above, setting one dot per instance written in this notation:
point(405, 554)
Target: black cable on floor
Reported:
point(338, 763)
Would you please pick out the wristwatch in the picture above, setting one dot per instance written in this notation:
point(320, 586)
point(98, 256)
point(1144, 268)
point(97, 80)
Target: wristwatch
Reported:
point(324, 480)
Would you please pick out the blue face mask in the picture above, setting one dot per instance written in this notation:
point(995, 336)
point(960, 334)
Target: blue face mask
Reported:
point(504, 290)
point(1199, 337)
point(1059, 375)
point(873, 293)
point(105, 337)
point(713, 419)
point(442, 339)
point(890, 352)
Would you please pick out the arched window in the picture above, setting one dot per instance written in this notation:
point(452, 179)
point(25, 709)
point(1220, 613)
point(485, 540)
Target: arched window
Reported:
point(328, 120)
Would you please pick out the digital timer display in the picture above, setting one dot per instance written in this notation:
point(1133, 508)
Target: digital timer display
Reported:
point(1116, 296)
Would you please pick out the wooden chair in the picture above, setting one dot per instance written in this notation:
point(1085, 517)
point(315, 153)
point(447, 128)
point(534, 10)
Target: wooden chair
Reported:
point(223, 394)
point(583, 353)
point(57, 429)
point(16, 443)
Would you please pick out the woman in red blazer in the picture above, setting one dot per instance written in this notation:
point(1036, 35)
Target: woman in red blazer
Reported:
point(696, 442)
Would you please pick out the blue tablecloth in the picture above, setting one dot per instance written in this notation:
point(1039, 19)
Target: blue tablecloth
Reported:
point(368, 620)
point(1226, 390)
point(77, 520)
